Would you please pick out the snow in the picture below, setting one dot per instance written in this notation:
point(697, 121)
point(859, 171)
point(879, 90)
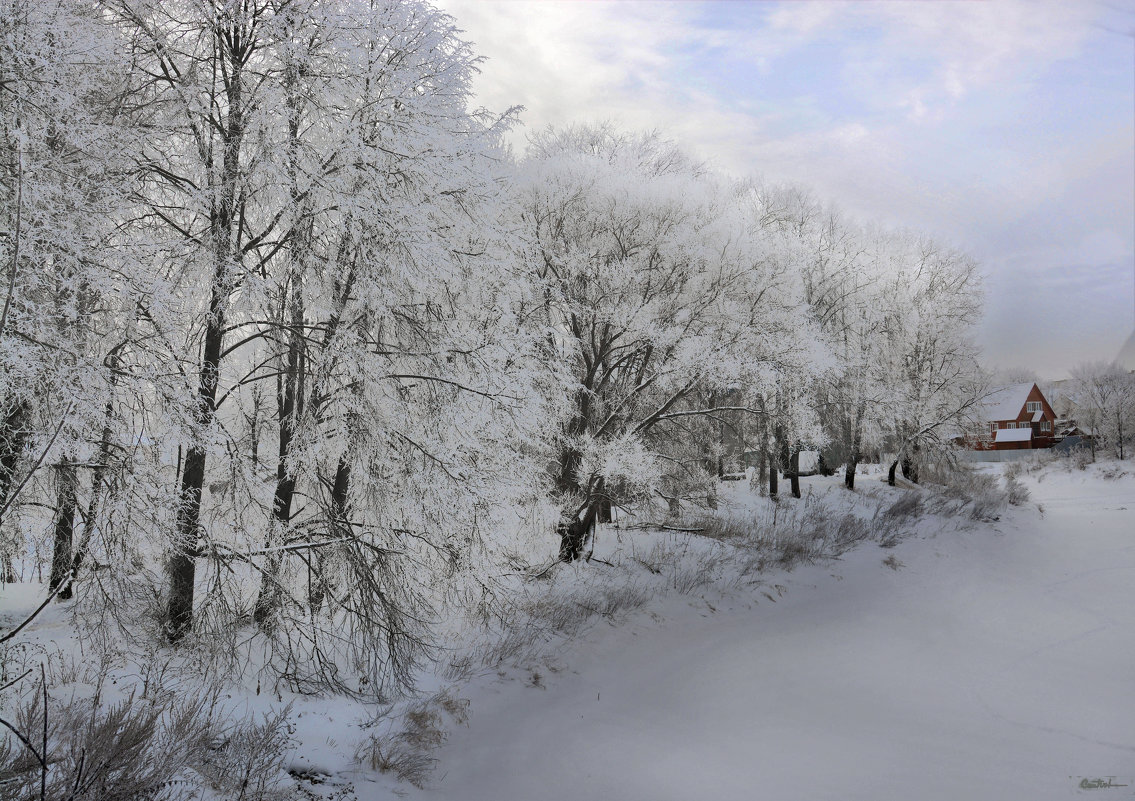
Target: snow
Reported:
point(993, 663)
point(987, 662)
point(1013, 435)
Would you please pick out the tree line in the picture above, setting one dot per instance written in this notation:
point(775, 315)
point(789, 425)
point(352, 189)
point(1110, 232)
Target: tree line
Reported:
point(291, 340)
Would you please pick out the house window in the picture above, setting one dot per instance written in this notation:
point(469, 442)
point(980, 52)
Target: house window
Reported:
point(993, 429)
point(1045, 425)
point(1032, 406)
point(1010, 425)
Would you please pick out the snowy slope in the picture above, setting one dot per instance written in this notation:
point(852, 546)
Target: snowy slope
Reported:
point(996, 663)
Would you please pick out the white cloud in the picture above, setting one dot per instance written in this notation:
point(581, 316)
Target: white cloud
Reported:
point(927, 121)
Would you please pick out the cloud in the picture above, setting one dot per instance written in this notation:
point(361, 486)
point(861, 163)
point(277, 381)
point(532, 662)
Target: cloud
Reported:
point(1003, 127)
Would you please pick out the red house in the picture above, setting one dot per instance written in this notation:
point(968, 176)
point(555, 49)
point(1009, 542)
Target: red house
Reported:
point(1014, 418)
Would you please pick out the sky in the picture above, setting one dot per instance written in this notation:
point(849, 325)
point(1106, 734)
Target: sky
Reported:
point(1003, 128)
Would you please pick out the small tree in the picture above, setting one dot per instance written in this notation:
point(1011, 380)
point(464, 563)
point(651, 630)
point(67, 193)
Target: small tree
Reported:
point(1104, 397)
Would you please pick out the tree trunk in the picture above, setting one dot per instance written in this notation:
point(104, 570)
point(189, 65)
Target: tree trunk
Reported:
point(13, 437)
point(794, 470)
point(891, 472)
point(289, 398)
point(603, 512)
point(97, 480)
point(61, 557)
point(778, 459)
point(339, 527)
point(762, 468)
point(574, 535)
point(910, 465)
point(181, 568)
point(854, 454)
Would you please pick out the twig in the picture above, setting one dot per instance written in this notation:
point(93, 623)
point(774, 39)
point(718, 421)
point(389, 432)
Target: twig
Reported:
point(27, 743)
point(544, 572)
point(279, 548)
point(16, 680)
point(39, 608)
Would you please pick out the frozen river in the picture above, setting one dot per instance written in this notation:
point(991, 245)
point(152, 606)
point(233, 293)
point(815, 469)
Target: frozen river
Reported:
point(996, 663)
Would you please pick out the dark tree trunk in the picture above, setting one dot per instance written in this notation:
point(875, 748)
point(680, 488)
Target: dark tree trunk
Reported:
point(339, 527)
point(61, 558)
point(910, 466)
point(574, 534)
point(773, 469)
point(13, 437)
point(98, 481)
point(891, 472)
point(181, 568)
point(289, 399)
point(849, 472)
point(763, 465)
point(605, 510)
point(794, 472)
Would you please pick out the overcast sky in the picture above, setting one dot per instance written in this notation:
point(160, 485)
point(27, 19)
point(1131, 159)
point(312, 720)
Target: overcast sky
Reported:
point(1004, 128)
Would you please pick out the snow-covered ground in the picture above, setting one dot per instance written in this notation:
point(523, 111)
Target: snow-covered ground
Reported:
point(992, 663)
point(973, 661)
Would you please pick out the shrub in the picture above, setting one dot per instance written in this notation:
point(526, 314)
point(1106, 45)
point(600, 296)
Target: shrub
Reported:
point(130, 750)
point(140, 748)
point(248, 764)
point(962, 486)
point(407, 754)
point(1016, 492)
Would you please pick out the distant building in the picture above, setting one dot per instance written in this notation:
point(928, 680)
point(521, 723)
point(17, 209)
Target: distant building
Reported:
point(1014, 418)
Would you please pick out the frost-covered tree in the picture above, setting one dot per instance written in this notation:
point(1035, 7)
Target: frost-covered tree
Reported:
point(838, 286)
point(64, 170)
point(354, 391)
point(1105, 402)
point(931, 302)
point(212, 208)
point(417, 395)
point(655, 295)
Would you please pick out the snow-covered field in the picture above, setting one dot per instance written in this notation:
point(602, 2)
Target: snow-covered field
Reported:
point(993, 663)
